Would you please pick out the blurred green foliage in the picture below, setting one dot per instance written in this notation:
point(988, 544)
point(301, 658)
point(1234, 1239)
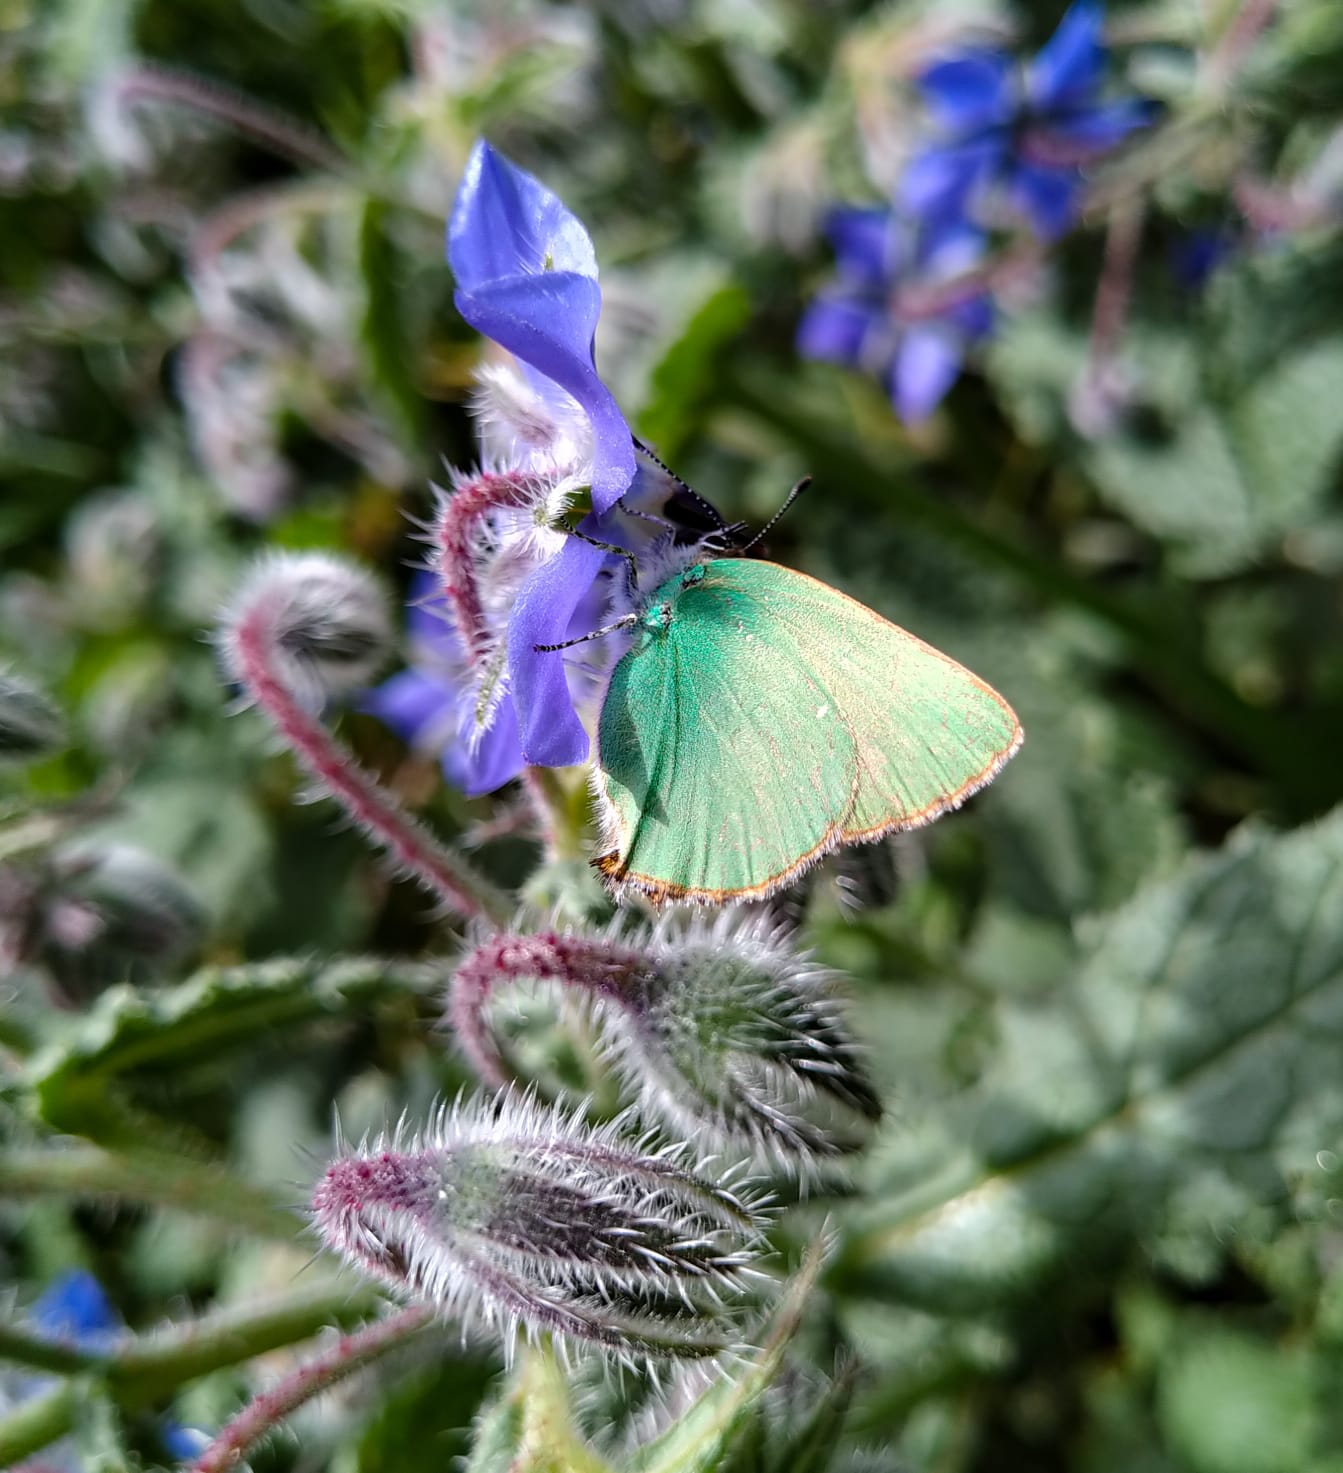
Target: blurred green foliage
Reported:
point(1101, 1229)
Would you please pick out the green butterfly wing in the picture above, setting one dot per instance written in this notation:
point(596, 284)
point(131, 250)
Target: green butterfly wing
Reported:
point(711, 788)
point(771, 720)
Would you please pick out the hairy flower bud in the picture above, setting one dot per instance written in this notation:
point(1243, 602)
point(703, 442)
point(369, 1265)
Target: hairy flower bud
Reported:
point(94, 913)
point(722, 1029)
point(30, 725)
point(521, 1218)
point(316, 622)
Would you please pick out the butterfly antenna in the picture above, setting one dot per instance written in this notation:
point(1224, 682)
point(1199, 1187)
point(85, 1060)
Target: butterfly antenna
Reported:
point(707, 507)
point(777, 517)
point(628, 622)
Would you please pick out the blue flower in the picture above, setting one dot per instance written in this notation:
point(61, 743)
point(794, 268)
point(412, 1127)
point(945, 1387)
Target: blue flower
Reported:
point(431, 704)
point(1197, 256)
point(74, 1307)
point(884, 312)
point(527, 278)
point(1026, 135)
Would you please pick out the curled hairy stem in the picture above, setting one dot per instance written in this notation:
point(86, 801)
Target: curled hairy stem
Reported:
point(349, 1354)
point(300, 628)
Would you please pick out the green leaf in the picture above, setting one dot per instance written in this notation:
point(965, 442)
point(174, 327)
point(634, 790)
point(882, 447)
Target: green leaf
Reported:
point(529, 1427)
point(683, 381)
point(128, 1030)
point(30, 723)
point(426, 1420)
point(388, 351)
point(1192, 1058)
point(209, 828)
point(1232, 1404)
point(1223, 457)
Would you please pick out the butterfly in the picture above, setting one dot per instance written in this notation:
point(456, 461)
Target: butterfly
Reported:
point(761, 719)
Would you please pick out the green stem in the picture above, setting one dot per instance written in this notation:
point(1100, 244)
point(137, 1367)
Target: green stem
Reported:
point(147, 1369)
point(205, 1190)
point(143, 1371)
point(36, 1422)
point(21, 1346)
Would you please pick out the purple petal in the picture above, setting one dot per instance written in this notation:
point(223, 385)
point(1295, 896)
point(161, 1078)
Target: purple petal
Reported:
point(527, 278)
point(973, 318)
point(1092, 131)
point(949, 248)
point(506, 223)
point(427, 622)
point(552, 734)
point(497, 759)
point(418, 707)
point(1047, 197)
point(939, 181)
point(834, 329)
point(863, 244)
point(926, 365)
point(1195, 258)
point(548, 322)
point(1070, 64)
point(969, 91)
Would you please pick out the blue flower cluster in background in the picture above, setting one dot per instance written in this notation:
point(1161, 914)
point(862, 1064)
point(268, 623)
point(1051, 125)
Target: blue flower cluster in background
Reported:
point(1010, 147)
point(877, 251)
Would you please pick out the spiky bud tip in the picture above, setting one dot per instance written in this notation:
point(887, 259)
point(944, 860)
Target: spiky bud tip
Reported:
point(316, 623)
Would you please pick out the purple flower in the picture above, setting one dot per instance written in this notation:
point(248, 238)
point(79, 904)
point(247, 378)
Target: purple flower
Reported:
point(884, 312)
point(1027, 134)
point(527, 278)
point(431, 704)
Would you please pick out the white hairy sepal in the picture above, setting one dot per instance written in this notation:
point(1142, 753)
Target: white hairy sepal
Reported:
point(521, 1219)
point(318, 623)
point(493, 528)
point(520, 428)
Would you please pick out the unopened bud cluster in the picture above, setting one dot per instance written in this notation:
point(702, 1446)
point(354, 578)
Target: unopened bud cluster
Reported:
point(722, 1030)
point(518, 1217)
point(30, 725)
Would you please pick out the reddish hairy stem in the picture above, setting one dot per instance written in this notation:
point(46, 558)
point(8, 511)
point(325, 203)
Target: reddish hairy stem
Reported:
point(1115, 290)
point(933, 300)
point(599, 967)
point(453, 531)
point(445, 875)
point(1231, 51)
point(350, 1353)
point(283, 134)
